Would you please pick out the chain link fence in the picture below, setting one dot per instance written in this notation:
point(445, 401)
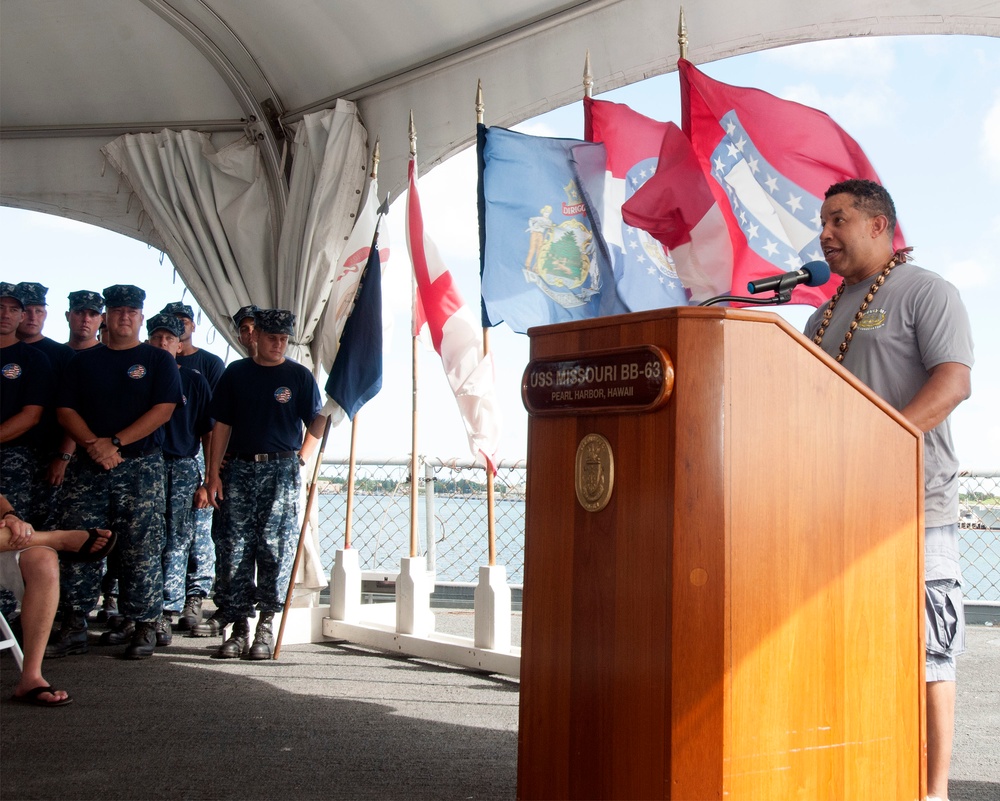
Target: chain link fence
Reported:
point(452, 520)
point(979, 524)
point(452, 516)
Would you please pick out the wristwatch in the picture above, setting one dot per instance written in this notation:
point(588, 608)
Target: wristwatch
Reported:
point(116, 442)
point(65, 456)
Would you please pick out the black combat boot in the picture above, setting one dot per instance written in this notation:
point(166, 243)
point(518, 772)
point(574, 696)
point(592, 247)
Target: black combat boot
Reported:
point(143, 641)
point(190, 614)
point(213, 627)
point(120, 634)
point(263, 638)
point(71, 638)
point(164, 630)
point(108, 615)
point(238, 642)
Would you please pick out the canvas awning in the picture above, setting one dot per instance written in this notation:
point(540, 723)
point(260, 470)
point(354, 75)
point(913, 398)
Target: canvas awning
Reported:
point(75, 76)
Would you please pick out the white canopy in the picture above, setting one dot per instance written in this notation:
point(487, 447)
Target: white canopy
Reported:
point(76, 75)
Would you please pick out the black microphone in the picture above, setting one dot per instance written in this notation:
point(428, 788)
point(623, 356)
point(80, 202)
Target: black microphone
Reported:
point(815, 273)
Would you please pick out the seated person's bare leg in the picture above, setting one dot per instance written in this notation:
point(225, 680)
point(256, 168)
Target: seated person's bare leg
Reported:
point(40, 569)
point(60, 540)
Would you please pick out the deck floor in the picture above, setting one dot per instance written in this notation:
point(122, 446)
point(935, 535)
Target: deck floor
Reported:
point(327, 721)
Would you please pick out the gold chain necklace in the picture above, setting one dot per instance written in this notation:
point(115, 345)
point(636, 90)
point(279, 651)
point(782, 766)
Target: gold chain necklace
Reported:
point(899, 257)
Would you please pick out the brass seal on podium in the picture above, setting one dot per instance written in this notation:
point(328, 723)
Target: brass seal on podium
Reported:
point(595, 472)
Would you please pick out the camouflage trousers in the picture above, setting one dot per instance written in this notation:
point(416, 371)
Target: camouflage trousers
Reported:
point(131, 501)
point(24, 481)
point(259, 530)
point(183, 477)
point(17, 471)
point(47, 498)
point(18, 467)
point(201, 562)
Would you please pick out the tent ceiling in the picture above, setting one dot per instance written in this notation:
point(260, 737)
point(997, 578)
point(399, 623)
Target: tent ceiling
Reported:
point(74, 75)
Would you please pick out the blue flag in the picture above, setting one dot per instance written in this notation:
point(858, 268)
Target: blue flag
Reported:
point(356, 374)
point(544, 258)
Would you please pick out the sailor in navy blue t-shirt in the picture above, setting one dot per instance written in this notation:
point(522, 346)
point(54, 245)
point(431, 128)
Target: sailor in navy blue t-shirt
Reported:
point(26, 389)
point(260, 406)
point(197, 359)
point(49, 433)
point(199, 580)
point(114, 403)
point(84, 317)
point(183, 436)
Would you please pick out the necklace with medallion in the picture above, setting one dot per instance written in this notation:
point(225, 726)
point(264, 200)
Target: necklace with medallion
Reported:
point(899, 257)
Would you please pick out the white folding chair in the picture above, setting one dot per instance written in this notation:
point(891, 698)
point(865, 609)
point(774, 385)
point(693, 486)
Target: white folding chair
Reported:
point(9, 641)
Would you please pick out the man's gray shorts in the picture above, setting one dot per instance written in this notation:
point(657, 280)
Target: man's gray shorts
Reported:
point(943, 607)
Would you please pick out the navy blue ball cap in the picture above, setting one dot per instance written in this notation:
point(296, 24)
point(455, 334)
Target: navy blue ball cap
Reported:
point(124, 295)
point(32, 293)
point(168, 322)
point(84, 299)
point(9, 290)
point(244, 312)
point(275, 321)
point(178, 308)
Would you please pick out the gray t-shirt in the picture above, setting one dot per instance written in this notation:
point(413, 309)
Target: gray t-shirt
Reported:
point(915, 322)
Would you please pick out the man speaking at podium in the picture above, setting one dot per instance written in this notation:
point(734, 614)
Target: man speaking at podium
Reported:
point(904, 331)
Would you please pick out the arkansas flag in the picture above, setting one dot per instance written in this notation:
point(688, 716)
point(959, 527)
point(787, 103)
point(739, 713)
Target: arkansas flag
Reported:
point(677, 207)
point(455, 332)
point(769, 162)
point(647, 276)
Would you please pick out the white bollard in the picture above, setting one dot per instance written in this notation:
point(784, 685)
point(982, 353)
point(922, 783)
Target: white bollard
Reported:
point(492, 603)
point(413, 598)
point(345, 586)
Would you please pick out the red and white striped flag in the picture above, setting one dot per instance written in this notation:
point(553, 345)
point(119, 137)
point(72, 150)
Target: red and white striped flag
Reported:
point(456, 333)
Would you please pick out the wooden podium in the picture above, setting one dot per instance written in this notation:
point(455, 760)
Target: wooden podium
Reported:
point(743, 619)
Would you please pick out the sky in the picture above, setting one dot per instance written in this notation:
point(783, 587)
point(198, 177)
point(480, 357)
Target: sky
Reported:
point(926, 111)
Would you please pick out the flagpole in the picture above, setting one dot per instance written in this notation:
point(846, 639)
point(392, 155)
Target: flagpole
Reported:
point(491, 601)
point(491, 517)
point(310, 497)
point(588, 78)
point(352, 460)
point(682, 35)
point(414, 549)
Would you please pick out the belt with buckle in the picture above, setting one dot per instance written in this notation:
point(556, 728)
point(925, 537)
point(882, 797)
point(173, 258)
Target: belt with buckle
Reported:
point(263, 457)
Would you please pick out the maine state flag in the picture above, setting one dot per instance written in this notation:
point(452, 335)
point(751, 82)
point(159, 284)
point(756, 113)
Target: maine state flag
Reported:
point(544, 258)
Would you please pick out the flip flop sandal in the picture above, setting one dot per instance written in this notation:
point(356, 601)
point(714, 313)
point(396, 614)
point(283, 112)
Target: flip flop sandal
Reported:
point(84, 554)
point(32, 697)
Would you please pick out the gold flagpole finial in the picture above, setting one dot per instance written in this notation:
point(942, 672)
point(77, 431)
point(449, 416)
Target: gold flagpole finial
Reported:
point(682, 35)
point(413, 137)
point(588, 79)
point(375, 160)
point(480, 107)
